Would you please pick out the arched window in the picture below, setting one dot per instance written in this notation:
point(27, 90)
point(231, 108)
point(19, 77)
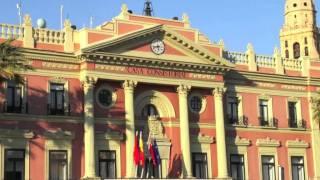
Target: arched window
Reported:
point(296, 50)
point(306, 51)
point(287, 54)
point(149, 110)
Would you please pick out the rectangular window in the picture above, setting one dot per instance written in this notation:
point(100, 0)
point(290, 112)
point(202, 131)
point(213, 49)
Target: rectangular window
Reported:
point(107, 164)
point(264, 114)
point(292, 114)
point(268, 168)
point(237, 166)
point(200, 165)
point(58, 165)
point(297, 167)
point(57, 99)
point(233, 104)
point(14, 99)
point(14, 164)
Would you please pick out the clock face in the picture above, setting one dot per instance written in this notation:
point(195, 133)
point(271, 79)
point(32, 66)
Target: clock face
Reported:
point(157, 46)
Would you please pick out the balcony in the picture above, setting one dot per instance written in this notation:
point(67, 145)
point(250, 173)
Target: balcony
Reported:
point(59, 112)
point(297, 124)
point(238, 121)
point(268, 122)
point(18, 109)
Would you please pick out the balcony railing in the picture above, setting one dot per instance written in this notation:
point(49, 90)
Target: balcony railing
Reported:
point(268, 122)
point(301, 124)
point(238, 121)
point(23, 108)
point(58, 112)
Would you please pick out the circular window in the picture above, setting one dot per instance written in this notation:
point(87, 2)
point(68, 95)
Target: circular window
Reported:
point(106, 97)
point(197, 103)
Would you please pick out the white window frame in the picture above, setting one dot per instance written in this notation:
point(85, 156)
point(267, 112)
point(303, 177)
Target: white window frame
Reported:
point(239, 146)
point(24, 93)
point(58, 141)
point(111, 142)
point(15, 139)
point(271, 122)
point(65, 83)
point(202, 144)
point(297, 148)
point(298, 110)
point(240, 106)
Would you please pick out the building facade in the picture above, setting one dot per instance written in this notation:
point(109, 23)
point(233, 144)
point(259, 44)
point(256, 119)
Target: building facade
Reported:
point(213, 113)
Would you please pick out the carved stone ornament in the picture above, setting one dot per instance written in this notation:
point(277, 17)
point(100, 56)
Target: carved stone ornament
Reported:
point(58, 80)
point(88, 80)
point(202, 139)
point(67, 23)
point(185, 18)
point(238, 141)
point(59, 134)
point(297, 144)
point(267, 142)
point(183, 89)
point(27, 20)
point(129, 84)
point(16, 133)
point(154, 128)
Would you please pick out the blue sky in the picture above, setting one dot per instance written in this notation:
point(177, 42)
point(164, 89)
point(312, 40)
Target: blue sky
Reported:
point(237, 22)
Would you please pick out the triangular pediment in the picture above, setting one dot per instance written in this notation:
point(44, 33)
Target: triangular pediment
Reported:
point(177, 48)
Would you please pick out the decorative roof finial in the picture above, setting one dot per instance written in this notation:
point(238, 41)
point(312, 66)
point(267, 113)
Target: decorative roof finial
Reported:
point(148, 10)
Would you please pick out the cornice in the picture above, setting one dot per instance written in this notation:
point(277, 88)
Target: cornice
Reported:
point(297, 144)
point(238, 141)
point(36, 54)
point(59, 134)
point(234, 76)
point(16, 133)
point(202, 139)
point(109, 135)
point(267, 142)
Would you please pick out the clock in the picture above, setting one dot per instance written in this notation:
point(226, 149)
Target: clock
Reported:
point(157, 46)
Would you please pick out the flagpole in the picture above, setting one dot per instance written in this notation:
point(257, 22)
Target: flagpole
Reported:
point(61, 17)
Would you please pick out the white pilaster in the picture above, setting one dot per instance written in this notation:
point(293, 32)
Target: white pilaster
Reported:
point(220, 133)
point(128, 87)
point(89, 150)
point(184, 130)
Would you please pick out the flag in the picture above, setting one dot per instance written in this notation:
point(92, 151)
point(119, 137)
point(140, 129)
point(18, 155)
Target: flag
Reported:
point(156, 153)
point(136, 150)
point(152, 154)
point(141, 157)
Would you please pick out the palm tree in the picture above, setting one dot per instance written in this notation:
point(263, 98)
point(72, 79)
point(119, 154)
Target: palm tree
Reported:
point(12, 62)
point(316, 108)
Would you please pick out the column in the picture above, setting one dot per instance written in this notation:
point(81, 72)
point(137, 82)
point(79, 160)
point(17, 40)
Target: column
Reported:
point(184, 130)
point(89, 153)
point(128, 87)
point(220, 133)
point(315, 137)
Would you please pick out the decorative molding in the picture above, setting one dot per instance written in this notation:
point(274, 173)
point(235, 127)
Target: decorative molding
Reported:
point(203, 102)
point(113, 96)
point(154, 128)
point(202, 139)
point(59, 134)
point(52, 65)
point(156, 98)
point(110, 135)
point(238, 141)
point(267, 142)
point(297, 144)
point(16, 133)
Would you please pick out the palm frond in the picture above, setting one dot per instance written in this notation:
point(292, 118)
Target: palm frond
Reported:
point(12, 61)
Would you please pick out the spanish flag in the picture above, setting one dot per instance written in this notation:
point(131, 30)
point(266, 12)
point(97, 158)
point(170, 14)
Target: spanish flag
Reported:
point(136, 150)
point(141, 150)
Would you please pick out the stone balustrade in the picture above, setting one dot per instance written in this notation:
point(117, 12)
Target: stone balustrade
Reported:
point(8, 31)
point(48, 36)
point(263, 61)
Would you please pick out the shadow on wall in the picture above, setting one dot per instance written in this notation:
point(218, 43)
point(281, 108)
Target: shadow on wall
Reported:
point(175, 170)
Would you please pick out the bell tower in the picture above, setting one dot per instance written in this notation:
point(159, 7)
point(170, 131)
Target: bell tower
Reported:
point(299, 35)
